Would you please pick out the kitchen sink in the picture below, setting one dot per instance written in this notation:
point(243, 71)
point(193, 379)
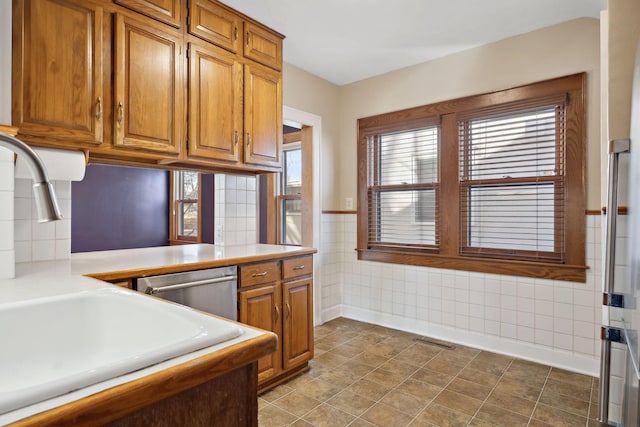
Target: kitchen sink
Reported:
point(54, 345)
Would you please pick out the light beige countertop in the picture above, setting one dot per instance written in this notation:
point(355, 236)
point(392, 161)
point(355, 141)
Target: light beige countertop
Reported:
point(51, 278)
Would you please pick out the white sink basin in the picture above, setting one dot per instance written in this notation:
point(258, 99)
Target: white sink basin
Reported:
point(51, 346)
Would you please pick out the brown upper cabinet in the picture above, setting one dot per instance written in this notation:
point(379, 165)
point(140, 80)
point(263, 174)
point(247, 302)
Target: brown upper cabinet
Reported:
point(148, 94)
point(167, 11)
point(262, 115)
point(217, 24)
point(57, 72)
point(215, 103)
point(135, 82)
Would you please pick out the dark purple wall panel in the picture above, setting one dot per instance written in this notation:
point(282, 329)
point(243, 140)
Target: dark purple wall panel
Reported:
point(117, 207)
point(208, 203)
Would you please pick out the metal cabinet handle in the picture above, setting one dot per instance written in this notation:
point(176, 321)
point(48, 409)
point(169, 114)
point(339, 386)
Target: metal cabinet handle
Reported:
point(248, 38)
point(120, 113)
point(264, 273)
point(99, 108)
point(286, 304)
point(235, 33)
point(277, 313)
point(299, 267)
point(248, 139)
point(235, 137)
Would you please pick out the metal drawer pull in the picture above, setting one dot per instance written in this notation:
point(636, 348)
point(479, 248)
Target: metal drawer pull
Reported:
point(99, 108)
point(120, 113)
point(264, 273)
point(277, 313)
point(151, 290)
point(299, 267)
point(288, 309)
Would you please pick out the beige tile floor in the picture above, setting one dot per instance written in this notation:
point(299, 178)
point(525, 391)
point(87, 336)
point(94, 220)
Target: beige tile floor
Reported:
point(367, 375)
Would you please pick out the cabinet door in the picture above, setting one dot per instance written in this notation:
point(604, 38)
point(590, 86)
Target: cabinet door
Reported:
point(57, 70)
point(260, 307)
point(262, 115)
point(148, 102)
point(167, 11)
point(297, 326)
point(262, 46)
point(215, 104)
point(212, 22)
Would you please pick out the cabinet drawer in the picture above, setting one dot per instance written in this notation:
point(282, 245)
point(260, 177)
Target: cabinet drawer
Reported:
point(255, 274)
point(296, 267)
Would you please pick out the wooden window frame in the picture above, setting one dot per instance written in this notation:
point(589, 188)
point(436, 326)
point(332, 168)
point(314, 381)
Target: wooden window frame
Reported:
point(449, 254)
point(175, 238)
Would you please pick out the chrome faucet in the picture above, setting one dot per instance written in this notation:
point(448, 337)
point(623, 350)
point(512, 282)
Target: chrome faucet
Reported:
point(46, 202)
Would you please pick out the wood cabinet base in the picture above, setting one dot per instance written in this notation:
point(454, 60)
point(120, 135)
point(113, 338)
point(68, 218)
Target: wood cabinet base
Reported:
point(230, 399)
point(268, 385)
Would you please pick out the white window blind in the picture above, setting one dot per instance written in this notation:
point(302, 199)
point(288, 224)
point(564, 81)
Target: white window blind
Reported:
point(403, 187)
point(512, 182)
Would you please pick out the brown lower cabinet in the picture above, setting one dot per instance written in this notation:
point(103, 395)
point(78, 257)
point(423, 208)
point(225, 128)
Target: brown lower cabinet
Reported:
point(277, 296)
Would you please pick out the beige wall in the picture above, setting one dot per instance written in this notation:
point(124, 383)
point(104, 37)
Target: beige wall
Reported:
point(311, 94)
point(563, 49)
point(623, 36)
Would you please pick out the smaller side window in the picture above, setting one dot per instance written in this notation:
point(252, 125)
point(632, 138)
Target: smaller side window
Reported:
point(185, 207)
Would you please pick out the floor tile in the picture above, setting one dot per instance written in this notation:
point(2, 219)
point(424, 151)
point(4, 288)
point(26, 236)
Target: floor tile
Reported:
point(367, 375)
point(516, 388)
point(351, 403)
point(328, 416)
point(419, 389)
point(432, 377)
point(468, 388)
point(296, 403)
point(501, 417)
point(512, 403)
point(479, 377)
point(404, 402)
point(458, 402)
point(369, 389)
point(557, 417)
point(385, 416)
point(440, 416)
point(319, 390)
point(272, 416)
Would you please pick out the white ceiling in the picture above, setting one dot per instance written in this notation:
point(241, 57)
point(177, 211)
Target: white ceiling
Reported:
point(349, 40)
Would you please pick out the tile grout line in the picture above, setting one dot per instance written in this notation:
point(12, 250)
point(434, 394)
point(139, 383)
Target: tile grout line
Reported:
point(539, 396)
point(491, 391)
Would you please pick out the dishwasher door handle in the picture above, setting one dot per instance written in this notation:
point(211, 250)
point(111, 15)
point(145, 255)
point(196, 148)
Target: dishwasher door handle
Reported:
point(151, 290)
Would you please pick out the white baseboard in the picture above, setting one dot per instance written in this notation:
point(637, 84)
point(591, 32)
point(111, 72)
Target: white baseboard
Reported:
point(330, 313)
point(535, 353)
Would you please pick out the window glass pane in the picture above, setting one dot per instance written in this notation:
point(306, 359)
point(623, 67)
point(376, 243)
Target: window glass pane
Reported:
point(188, 219)
point(513, 146)
point(408, 157)
point(397, 219)
point(292, 171)
point(188, 185)
point(291, 221)
point(512, 217)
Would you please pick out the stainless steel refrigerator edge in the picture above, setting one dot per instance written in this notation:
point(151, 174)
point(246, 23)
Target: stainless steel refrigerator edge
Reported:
point(622, 276)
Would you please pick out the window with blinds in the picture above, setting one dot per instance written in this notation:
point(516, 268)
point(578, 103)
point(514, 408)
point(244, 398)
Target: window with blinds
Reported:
point(403, 188)
point(512, 182)
point(489, 183)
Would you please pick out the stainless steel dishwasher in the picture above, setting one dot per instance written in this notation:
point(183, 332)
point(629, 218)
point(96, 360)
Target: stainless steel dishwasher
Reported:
point(213, 290)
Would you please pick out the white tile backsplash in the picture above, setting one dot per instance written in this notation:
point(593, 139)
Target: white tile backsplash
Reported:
point(235, 209)
point(36, 241)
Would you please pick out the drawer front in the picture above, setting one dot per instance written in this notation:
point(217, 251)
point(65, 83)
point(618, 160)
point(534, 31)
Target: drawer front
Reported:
point(256, 274)
point(297, 267)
